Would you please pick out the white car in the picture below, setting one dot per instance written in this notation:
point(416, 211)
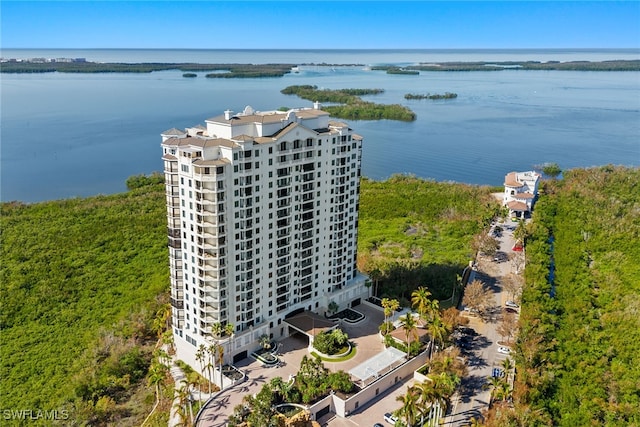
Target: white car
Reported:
point(504, 350)
point(511, 304)
point(391, 419)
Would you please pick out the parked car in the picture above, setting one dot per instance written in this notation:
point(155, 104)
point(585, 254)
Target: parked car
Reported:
point(468, 331)
point(510, 310)
point(497, 373)
point(378, 425)
point(504, 350)
point(391, 419)
point(511, 304)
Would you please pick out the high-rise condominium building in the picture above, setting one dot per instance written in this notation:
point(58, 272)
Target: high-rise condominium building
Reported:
point(262, 212)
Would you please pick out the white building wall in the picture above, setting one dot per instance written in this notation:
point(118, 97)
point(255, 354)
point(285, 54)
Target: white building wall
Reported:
point(263, 225)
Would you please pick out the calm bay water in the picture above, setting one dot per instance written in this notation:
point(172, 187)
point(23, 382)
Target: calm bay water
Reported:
point(66, 135)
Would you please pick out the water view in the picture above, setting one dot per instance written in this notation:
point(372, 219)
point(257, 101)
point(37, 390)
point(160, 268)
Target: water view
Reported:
point(67, 135)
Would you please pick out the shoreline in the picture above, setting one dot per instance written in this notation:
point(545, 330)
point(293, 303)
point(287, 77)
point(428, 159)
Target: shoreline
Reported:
point(235, 70)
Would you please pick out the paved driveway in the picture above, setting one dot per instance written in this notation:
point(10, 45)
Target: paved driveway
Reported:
point(364, 335)
point(473, 397)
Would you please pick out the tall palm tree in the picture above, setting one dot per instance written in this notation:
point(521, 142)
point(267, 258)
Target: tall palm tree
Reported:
point(200, 357)
point(410, 410)
point(504, 391)
point(433, 308)
point(210, 369)
point(410, 327)
point(420, 301)
point(446, 384)
point(220, 361)
point(494, 383)
point(507, 365)
point(429, 394)
point(184, 403)
point(437, 391)
point(389, 306)
point(437, 330)
point(211, 366)
point(229, 332)
point(157, 374)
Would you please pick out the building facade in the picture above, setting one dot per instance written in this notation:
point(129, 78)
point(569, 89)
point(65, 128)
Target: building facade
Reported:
point(520, 193)
point(262, 211)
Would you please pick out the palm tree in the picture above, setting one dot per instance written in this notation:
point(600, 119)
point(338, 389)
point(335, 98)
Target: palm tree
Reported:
point(437, 330)
point(389, 306)
point(184, 402)
point(445, 384)
point(410, 326)
point(229, 331)
point(220, 361)
point(333, 307)
point(410, 410)
point(504, 391)
point(157, 374)
point(421, 302)
point(200, 357)
point(216, 329)
point(428, 393)
point(265, 341)
point(211, 366)
point(507, 365)
point(494, 383)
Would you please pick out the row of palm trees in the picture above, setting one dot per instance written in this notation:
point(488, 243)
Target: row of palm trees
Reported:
point(427, 400)
point(501, 386)
point(213, 354)
point(428, 310)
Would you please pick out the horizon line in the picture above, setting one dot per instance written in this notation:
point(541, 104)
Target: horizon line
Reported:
point(327, 48)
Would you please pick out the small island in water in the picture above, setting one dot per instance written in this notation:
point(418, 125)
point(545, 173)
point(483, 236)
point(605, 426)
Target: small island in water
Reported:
point(446, 95)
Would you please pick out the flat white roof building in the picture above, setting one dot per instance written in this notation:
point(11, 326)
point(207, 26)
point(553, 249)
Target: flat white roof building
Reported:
point(262, 212)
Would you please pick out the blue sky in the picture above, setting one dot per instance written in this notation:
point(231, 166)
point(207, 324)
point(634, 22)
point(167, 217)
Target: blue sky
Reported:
point(320, 24)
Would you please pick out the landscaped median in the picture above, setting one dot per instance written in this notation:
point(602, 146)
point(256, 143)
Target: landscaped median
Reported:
point(341, 357)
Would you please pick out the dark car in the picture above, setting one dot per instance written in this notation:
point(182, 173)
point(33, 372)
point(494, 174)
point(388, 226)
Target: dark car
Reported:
point(468, 331)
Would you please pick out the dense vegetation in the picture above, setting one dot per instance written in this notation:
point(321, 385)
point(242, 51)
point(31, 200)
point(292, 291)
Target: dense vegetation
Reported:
point(390, 69)
point(446, 95)
point(579, 345)
point(278, 70)
point(353, 108)
point(415, 232)
point(230, 70)
point(618, 65)
point(82, 281)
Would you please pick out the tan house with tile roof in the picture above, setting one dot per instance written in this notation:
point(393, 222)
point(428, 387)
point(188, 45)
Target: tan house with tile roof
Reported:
point(520, 193)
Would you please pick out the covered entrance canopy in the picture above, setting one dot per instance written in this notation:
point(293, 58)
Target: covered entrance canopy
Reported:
point(380, 364)
point(310, 323)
